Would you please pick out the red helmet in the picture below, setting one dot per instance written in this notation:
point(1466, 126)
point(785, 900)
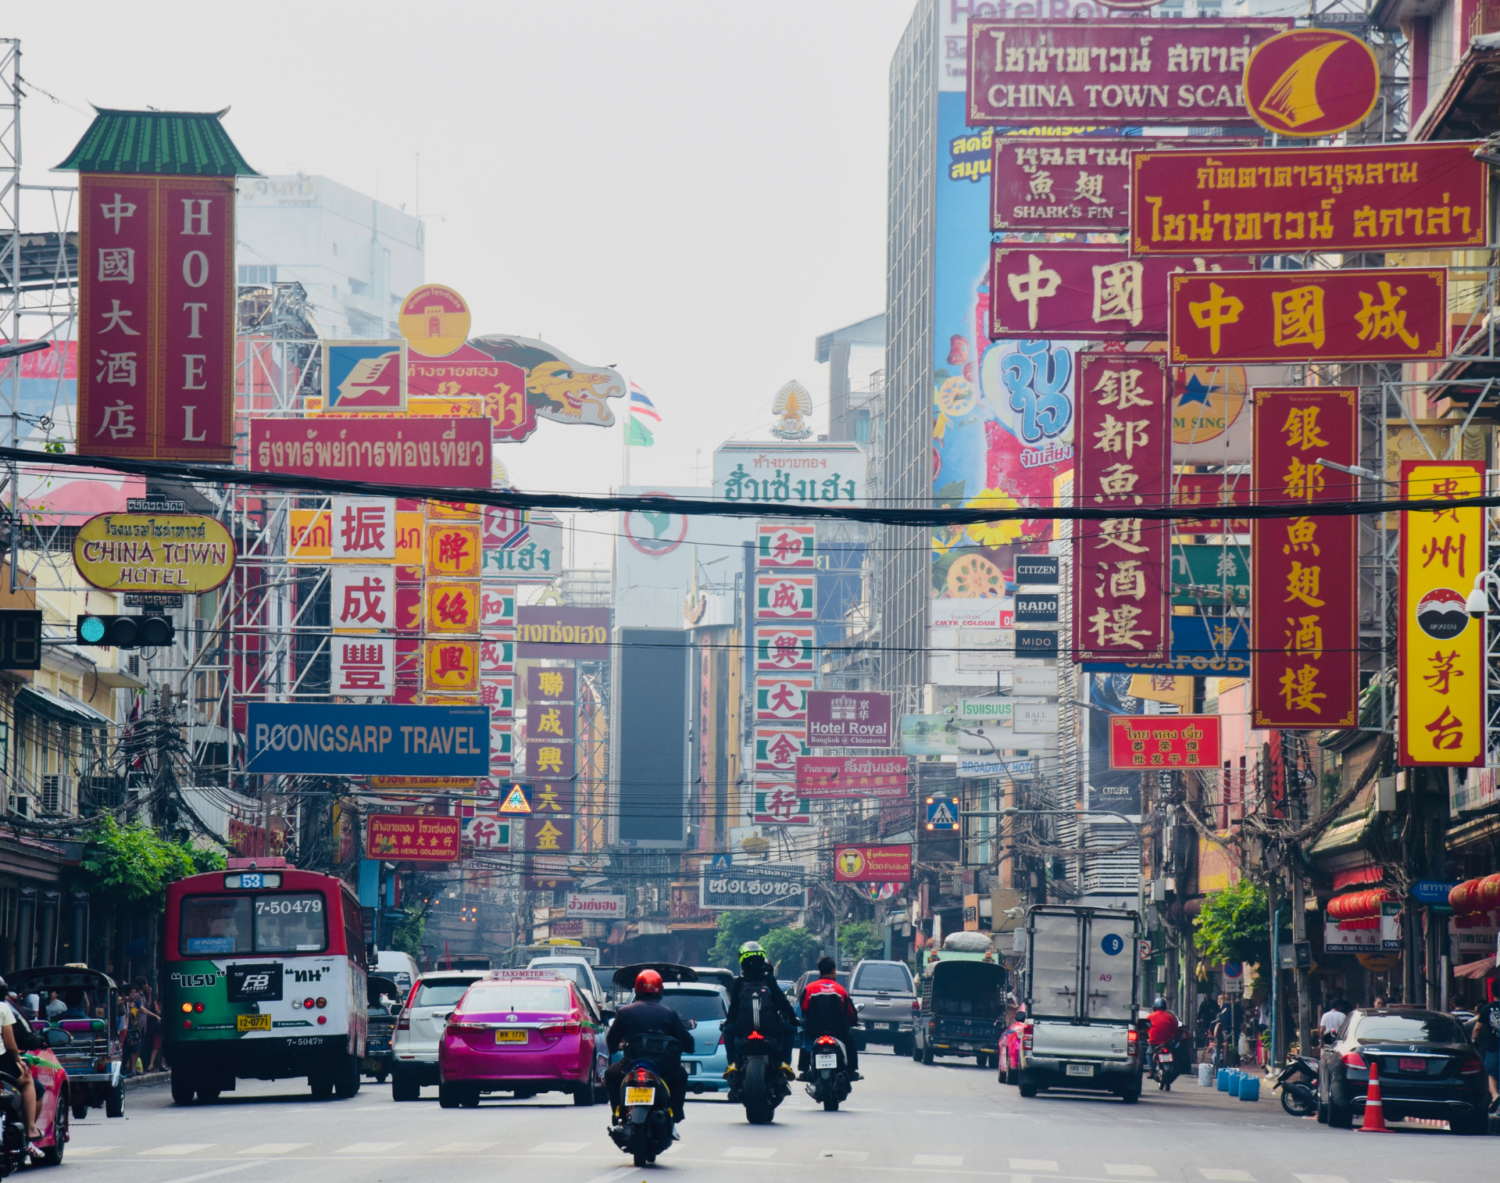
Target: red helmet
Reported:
point(648, 984)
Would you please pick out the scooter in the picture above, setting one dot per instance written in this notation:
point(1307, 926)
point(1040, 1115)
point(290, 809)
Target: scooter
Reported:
point(1298, 1082)
point(828, 1082)
point(642, 1124)
point(763, 1085)
point(1163, 1066)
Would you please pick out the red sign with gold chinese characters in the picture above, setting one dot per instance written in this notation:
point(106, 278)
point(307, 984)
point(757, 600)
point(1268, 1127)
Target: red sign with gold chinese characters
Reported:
point(1382, 314)
point(1441, 648)
point(1164, 741)
point(1124, 446)
point(397, 837)
point(1262, 200)
point(1304, 619)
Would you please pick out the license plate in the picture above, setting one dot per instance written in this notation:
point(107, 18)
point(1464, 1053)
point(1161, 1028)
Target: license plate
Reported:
point(252, 1022)
point(1411, 1064)
point(639, 1096)
point(825, 1061)
point(510, 1036)
point(881, 1026)
point(1080, 1070)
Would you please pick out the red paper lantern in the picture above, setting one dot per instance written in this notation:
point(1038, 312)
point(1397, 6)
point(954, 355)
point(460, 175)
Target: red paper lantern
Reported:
point(1488, 892)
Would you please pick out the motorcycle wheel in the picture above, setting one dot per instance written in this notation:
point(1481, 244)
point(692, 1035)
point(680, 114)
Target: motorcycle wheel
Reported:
point(758, 1107)
point(1298, 1100)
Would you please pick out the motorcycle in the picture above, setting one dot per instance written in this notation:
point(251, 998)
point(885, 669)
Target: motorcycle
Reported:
point(829, 1079)
point(764, 1085)
point(642, 1125)
point(1163, 1066)
point(1298, 1082)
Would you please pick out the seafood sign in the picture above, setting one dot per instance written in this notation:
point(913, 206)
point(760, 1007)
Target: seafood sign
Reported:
point(790, 474)
point(422, 453)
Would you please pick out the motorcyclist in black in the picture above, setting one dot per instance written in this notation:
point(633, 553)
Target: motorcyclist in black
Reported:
point(648, 1015)
point(778, 1021)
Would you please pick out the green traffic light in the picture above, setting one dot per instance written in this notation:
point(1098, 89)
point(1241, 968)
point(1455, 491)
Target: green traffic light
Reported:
point(91, 630)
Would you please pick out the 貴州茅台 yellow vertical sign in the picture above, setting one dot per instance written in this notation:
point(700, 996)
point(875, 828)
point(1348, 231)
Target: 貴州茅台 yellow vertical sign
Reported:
point(1441, 648)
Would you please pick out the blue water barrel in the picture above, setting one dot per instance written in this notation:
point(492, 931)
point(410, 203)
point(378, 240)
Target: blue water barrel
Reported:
point(1223, 1080)
point(1250, 1088)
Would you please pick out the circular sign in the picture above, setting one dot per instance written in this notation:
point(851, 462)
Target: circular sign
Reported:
point(434, 320)
point(1311, 82)
point(1112, 944)
point(1441, 614)
point(1206, 401)
point(1233, 970)
point(653, 532)
point(851, 862)
point(154, 552)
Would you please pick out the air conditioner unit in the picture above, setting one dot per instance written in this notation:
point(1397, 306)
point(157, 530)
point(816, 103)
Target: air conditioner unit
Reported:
point(57, 794)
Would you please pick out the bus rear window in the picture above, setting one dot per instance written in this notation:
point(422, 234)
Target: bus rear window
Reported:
point(215, 925)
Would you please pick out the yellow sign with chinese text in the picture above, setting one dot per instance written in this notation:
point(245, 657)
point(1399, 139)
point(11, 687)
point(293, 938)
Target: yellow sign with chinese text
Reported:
point(1442, 671)
point(312, 538)
point(453, 606)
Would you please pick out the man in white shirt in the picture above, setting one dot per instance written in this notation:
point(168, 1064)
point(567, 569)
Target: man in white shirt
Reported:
point(56, 1007)
point(12, 1063)
point(1333, 1018)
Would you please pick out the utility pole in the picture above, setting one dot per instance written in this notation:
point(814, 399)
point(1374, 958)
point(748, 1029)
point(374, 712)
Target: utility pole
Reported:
point(1299, 933)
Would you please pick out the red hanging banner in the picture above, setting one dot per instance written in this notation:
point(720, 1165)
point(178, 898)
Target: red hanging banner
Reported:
point(1124, 445)
point(1304, 620)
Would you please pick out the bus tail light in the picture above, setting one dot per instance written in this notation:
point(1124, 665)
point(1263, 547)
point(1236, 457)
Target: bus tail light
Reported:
point(322, 1018)
point(187, 1008)
point(187, 1024)
point(322, 1002)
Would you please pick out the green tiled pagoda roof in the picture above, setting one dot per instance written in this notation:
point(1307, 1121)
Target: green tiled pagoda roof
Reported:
point(159, 143)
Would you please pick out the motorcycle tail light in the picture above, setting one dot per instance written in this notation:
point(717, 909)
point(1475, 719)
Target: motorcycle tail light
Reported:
point(1472, 1065)
point(1355, 1060)
point(826, 1040)
point(640, 1076)
point(756, 1035)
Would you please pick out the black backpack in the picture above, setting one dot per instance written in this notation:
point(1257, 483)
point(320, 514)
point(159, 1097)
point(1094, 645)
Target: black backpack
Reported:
point(763, 990)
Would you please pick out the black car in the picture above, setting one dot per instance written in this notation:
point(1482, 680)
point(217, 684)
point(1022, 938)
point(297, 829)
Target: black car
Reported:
point(1426, 1064)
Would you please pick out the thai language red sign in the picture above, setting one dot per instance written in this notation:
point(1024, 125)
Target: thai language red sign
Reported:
point(852, 776)
point(1260, 201)
point(849, 719)
point(156, 317)
point(1124, 443)
point(1073, 183)
point(1164, 741)
point(1111, 72)
point(1390, 314)
point(421, 453)
point(1304, 618)
point(872, 864)
point(1042, 290)
point(470, 373)
point(397, 836)
point(1208, 489)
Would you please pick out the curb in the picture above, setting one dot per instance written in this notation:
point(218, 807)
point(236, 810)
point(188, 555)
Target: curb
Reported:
point(146, 1078)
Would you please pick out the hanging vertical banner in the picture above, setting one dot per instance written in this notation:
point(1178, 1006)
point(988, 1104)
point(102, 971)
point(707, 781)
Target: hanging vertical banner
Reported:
point(784, 547)
point(1304, 619)
point(1441, 647)
point(1124, 440)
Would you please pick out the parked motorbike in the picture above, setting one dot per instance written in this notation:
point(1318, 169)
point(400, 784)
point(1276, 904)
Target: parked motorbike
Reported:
point(764, 1085)
point(1298, 1082)
point(641, 1125)
point(829, 1079)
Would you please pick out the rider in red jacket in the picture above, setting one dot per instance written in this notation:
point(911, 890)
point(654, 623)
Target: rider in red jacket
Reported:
point(826, 1010)
point(1164, 1025)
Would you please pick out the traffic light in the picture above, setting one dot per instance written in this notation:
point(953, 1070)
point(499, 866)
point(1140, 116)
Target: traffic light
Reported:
point(20, 639)
point(126, 632)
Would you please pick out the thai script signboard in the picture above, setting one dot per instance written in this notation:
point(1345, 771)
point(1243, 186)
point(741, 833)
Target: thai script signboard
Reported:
point(872, 864)
point(579, 633)
point(399, 837)
point(765, 886)
point(852, 776)
point(170, 552)
point(421, 453)
point(1164, 741)
point(790, 473)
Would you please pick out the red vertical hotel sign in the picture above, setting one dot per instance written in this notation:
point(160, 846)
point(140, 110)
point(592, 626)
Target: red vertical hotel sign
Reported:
point(1304, 571)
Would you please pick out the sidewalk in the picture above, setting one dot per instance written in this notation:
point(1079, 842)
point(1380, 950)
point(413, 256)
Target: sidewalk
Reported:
point(146, 1078)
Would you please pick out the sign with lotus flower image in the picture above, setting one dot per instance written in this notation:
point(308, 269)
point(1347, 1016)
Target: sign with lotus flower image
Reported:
point(1002, 437)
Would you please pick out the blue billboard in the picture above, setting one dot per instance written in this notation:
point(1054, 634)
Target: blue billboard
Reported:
point(1202, 646)
point(335, 739)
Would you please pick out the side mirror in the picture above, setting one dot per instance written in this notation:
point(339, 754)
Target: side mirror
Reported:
point(57, 1037)
point(692, 1024)
point(608, 1013)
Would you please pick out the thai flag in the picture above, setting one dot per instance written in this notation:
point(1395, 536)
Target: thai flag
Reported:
point(641, 405)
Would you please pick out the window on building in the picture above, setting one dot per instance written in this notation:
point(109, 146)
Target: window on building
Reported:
point(356, 288)
point(335, 250)
point(256, 274)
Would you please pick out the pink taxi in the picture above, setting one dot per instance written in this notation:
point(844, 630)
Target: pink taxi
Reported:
point(524, 1032)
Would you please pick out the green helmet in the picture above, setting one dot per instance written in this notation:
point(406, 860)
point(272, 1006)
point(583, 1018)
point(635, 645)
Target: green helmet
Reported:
point(751, 949)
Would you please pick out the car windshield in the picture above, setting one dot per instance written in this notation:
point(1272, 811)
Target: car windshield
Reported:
point(1426, 1028)
point(578, 974)
point(518, 997)
point(891, 978)
point(700, 1006)
point(289, 922)
point(440, 993)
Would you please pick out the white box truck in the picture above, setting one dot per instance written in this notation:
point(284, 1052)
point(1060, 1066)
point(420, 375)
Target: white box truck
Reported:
point(1082, 995)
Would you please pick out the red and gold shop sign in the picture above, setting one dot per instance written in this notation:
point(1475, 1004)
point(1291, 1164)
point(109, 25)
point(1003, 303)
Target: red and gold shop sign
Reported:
point(1124, 447)
point(453, 606)
point(451, 667)
point(1259, 201)
point(1304, 620)
point(453, 550)
point(1198, 490)
point(1311, 82)
point(1441, 648)
point(400, 837)
point(1164, 741)
point(1382, 314)
point(312, 538)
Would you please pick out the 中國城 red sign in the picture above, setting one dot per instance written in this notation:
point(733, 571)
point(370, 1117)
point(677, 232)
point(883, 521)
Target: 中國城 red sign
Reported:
point(1111, 72)
point(156, 316)
point(1047, 290)
point(1071, 184)
point(1311, 82)
point(1390, 314)
point(1164, 741)
point(872, 864)
point(1304, 607)
point(852, 776)
point(421, 453)
point(1268, 200)
point(397, 836)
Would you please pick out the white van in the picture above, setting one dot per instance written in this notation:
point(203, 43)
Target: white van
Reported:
point(398, 966)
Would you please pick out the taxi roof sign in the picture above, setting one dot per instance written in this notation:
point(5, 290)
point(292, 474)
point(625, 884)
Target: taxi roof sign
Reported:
point(517, 799)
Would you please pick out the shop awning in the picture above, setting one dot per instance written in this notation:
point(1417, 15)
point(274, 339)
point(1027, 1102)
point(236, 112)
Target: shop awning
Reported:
point(59, 705)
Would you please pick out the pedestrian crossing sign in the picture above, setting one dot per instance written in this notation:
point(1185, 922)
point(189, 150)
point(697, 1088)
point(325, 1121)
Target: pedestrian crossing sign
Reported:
point(719, 862)
point(517, 799)
point(942, 813)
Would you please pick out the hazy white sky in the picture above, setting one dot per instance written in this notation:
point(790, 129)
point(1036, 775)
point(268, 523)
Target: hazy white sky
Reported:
point(692, 191)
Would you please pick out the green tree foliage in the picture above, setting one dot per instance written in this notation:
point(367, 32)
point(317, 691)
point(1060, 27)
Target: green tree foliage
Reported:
point(133, 864)
point(1233, 925)
point(791, 950)
point(735, 928)
point(859, 939)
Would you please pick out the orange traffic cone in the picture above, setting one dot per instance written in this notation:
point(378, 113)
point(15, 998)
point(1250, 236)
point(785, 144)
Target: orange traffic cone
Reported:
point(1374, 1110)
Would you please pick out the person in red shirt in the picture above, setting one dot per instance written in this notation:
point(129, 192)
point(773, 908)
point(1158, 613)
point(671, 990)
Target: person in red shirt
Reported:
point(826, 1010)
point(1164, 1025)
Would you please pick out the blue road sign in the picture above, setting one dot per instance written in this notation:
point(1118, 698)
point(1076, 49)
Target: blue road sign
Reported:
point(720, 861)
point(942, 813)
point(1432, 891)
point(349, 740)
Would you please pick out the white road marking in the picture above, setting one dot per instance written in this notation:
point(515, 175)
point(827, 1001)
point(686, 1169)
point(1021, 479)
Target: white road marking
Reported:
point(242, 1166)
point(276, 1147)
point(1320, 1179)
point(558, 1148)
point(463, 1147)
point(935, 1112)
point(749, 1152)
point(1226, 1175)
point(180, 1148)
point(367, 1147)
point(612, 1176)
point(1033, 1164)
point(845, 1155)
point(1130, 1169)
point(75, 1151)
point(937, 1160)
